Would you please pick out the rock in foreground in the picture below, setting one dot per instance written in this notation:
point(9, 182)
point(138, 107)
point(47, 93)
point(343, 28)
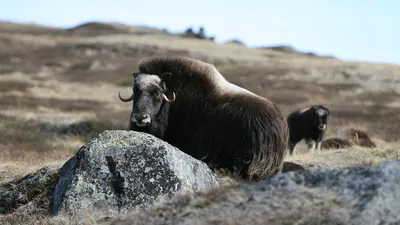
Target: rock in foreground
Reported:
point(363, 195)
point(121, 170)
point(33, 190)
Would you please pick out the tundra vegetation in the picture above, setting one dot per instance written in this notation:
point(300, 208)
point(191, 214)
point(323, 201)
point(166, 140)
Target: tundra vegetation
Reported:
point(59, 88)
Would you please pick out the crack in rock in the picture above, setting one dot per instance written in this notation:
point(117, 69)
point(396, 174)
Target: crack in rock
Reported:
point(117, 180)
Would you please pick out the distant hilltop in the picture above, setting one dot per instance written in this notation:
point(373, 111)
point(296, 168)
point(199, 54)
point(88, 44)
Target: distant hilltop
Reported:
point(90, 29)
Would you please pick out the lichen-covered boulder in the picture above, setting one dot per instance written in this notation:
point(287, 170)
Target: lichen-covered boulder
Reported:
point(372, 191)
point(121, 170)
point(359, 195)
point(245, 205)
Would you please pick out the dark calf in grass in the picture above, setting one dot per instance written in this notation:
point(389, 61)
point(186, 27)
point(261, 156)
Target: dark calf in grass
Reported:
point(309, 124)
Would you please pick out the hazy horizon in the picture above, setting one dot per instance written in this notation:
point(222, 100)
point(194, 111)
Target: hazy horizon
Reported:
point(351, 31)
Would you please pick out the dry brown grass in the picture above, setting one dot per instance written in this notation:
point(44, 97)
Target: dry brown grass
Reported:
point(49, 77)
point(26, 216)
point(42, 218)
point(6, 86)
point(24, 147)
point(343, 158)
point(70, 78)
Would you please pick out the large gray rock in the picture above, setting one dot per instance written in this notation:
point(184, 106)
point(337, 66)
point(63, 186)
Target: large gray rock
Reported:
point(362, 195)
point(120, 170)
point(244, 205)
point(373, 192)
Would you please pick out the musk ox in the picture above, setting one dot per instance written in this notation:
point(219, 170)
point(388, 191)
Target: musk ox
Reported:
point(335, 143)
point(189, 104)
point(309, 124)
point(357, 137)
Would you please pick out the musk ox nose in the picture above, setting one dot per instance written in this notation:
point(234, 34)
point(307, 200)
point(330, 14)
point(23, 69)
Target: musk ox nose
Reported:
point(322, 127)
point(142, 119)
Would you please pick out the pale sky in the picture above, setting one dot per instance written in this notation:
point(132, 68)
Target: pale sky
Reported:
point(361, 30)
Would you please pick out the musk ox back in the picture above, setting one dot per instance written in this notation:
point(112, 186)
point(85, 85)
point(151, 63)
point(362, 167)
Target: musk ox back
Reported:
point(189, 104)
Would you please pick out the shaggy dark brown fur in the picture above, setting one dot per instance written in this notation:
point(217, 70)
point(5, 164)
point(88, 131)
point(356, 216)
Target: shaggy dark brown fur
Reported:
point(217, 122)
point(335, 143)
point(358, 137)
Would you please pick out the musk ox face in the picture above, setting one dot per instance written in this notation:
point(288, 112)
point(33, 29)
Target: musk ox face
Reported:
point(319, 116)
point(148, 98)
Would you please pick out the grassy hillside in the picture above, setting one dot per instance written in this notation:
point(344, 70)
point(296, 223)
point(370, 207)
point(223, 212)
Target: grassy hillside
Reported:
point(59, 87)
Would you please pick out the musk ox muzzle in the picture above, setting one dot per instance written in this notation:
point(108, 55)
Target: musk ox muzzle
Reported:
point(141, 120)
point(322, 126)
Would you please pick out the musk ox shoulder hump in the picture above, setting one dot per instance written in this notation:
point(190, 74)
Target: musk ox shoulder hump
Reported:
point(186, 66)
point(303, 110)
point(223, 86)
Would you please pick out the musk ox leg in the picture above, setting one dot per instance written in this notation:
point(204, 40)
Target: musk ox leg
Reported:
point(318, 145)
point(311, 144)
point(292, 149)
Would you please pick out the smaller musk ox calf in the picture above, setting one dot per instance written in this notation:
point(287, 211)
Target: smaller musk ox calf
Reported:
point(309, 124)
point(335, 143)
point(190, 105)
point(348, 137)
point(357, 137)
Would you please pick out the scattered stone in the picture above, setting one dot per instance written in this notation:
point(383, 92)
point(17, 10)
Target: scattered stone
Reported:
point(235, 41)
point(3, 171)
point(35, 189)
point(290, 166)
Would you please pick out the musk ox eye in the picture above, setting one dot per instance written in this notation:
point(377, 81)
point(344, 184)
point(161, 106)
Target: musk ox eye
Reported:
point(155, 93)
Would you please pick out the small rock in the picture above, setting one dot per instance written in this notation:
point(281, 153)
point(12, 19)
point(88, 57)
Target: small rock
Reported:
point(290, 166)
point(35, 188)
point(3, 172)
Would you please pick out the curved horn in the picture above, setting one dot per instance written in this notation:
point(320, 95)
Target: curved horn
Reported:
point(130, 98)
point(168, 100)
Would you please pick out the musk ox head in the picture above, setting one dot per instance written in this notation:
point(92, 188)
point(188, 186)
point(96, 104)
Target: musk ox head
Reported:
point(319, 116)
point(149, 97)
